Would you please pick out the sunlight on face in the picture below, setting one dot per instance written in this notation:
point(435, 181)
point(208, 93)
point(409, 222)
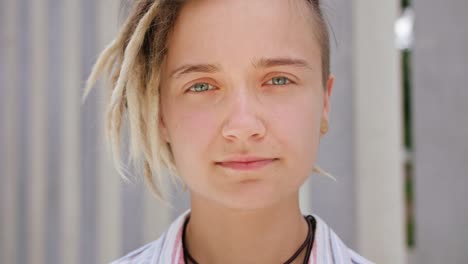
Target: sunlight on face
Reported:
point(242, 82)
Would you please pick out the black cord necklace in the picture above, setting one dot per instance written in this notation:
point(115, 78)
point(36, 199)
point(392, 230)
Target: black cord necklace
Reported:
point(308, 243)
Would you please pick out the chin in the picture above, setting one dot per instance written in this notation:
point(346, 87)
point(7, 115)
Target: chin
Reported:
point(246, 206)
point(250, 196)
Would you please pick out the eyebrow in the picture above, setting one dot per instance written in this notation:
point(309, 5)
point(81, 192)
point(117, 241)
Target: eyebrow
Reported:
point(283, 61)
point(260, 63)
point(189, 68)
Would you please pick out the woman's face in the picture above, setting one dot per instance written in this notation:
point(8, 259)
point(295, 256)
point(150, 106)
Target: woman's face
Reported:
point(242, 82)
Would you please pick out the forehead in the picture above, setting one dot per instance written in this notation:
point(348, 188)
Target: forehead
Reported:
point(236, 32)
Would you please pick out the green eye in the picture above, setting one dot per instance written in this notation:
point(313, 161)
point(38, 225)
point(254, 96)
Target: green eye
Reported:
point(201, 87)
point(280, 80)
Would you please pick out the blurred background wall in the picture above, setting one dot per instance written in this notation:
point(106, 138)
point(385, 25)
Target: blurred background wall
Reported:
point(397, 140)
point(440, 103)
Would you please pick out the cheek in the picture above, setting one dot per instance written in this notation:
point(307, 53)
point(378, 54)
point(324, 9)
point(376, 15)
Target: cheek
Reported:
point(298, 126)
point(190, 133)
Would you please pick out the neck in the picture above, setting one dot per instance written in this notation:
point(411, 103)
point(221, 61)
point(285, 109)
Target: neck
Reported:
point(216, 234)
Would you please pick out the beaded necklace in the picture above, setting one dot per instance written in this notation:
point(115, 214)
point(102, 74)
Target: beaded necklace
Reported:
point(308, 243)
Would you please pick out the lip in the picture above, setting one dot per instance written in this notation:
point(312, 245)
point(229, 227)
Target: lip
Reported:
point(246, 163)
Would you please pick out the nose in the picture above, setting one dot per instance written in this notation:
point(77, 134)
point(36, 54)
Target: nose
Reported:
point(243, 121)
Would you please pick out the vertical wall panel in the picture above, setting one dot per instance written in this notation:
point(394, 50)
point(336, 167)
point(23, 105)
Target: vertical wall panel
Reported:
point(71, 173)
point(108, 180)
point(440, 112)
point(88, 138)
point(132, 216)
point(157, 217)
point(22, 105)
point(2, 129)
point(9, 111)
point(54, 245)
point(38, 174)
point(378, 132)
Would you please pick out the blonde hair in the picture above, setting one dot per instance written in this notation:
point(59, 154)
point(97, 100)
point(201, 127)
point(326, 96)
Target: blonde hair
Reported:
point(132, 62)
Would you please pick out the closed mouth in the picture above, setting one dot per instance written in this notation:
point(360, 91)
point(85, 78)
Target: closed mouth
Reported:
point(246, 165)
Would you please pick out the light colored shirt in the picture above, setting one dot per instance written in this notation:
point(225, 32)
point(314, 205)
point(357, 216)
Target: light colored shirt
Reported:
point(327, 249)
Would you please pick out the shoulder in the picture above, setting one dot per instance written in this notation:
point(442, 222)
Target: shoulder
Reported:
point(144, 254)
point(165, 249)
point(331, 249)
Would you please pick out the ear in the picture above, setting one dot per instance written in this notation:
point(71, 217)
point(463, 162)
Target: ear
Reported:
point(326, 97)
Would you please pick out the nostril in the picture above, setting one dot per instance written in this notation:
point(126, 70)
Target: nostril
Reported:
point(244, 129)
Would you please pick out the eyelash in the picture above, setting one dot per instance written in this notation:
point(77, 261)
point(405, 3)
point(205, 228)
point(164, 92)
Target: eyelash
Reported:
point(288, 81)
point(270, 82)
point(191, 89)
